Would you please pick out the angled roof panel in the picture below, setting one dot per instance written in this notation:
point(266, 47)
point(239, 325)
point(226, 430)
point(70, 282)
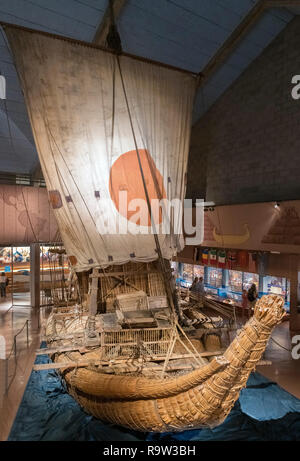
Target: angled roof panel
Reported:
point(73, 18)
point(262, 34)
point(183, 33)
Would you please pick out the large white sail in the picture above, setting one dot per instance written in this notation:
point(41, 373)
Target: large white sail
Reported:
point(86, 106)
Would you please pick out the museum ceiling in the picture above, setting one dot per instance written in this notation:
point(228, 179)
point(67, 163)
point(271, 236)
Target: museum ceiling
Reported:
point(182, 33)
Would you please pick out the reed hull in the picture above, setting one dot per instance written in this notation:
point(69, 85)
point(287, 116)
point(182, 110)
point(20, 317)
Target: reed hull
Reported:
point(201, 398)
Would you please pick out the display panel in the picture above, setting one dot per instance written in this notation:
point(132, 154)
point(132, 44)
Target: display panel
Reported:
point(6, 264)
point(5, 258)
point(215, 277)
point(188, 272)
point(235, 281)
point(21, 276)
point(174, 267)
point(199, 271)
point(249, 279)
point(274, 285)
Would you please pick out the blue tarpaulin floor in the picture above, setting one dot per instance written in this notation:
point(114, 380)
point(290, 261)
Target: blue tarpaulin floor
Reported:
point(264, 411)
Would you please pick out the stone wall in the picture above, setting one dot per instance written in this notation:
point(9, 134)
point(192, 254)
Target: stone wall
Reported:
point(246, 148)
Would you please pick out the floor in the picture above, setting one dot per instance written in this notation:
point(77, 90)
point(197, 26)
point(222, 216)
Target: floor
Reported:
point(5, 304)
point(13, 373)
point(284, 370)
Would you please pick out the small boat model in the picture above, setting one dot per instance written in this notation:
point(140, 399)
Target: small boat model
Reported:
point(112, 133)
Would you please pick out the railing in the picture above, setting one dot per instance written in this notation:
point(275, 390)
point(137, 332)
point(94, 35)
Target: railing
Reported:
point(13, 356)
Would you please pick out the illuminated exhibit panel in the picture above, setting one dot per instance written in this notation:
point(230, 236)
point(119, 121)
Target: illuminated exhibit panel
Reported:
point(187, 275)
point(199, 271)
point(230, 286)
point(15, 262)
point(249, 279)
point(214, 277)
point(6, 259)
point(277, 285)
point(235, 280)
point(174, 267)
point(274, 285)
point(188, 272)
point(21, 276)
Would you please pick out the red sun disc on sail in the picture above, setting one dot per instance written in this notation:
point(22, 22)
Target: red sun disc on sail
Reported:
point(125, 175)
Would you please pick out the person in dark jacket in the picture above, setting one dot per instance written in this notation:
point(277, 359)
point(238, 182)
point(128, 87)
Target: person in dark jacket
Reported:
point(3, 284)
point(252, 296)
point(193, 286)
point(199, 291)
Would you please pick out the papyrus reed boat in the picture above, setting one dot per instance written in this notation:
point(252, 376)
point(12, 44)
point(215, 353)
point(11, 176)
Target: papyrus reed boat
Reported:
point(203, 397)
point(111, 129)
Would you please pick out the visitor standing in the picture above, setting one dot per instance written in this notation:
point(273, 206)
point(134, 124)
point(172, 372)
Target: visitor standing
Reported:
point(193, 286)
point(3, 284)
point(199, 290)
point(252, 296)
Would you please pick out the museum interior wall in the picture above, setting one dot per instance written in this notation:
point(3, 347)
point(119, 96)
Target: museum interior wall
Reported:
point(26, 216)
point(239, 148)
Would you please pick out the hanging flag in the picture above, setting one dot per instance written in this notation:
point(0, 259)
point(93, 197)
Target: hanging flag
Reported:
point(222, 259)
point(243, 260)
point(252, 263)
point(213, 257)
point(204, 258)
point(231, 259)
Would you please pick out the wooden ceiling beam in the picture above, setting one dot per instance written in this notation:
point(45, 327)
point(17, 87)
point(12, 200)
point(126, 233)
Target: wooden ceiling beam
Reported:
point(103, 28)
point(241, 30)
point(233, 40)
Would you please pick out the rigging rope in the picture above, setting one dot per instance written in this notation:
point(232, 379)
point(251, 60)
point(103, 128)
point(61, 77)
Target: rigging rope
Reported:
point(156, 239)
